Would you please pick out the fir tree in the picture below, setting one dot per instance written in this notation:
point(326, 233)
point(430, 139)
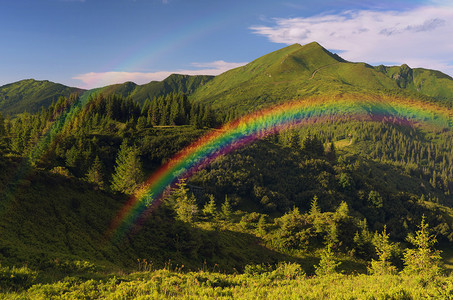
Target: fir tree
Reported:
point(210, 208)
point(94, 174)
point(423, 260)
point(342, 210)
point(294, 140)
point(183, 202)
point(72, 156)
point(261, 226)
point(384, 251)
point(314, 208)
point(328, 264)
point(332, 152)
point(226, 210)
point(128, 170)
point(141, 123)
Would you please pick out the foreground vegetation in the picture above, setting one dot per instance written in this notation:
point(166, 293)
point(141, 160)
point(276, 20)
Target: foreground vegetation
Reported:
point(285, 282)
point(342, 209)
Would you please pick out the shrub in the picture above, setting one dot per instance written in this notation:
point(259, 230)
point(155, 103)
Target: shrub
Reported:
point(16, 277)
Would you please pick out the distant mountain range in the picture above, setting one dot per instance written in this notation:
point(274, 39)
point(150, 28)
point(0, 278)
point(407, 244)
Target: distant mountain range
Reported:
point(291, 72)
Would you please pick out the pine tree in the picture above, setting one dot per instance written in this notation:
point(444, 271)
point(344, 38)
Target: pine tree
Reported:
point(328, 264)
point(146, 107)
point(72, 156)
point(342, 210)
point(423, 260)
point(183, 202)
point(294, 140)
point(128, 170)
point(332, 153)
point(307, 143)
point(209, 118)
point(384, 251)
point(363, 240)
point(317, 146)
point(210, 208)
point(314, 208)
point(94, 174)
point(261, 226)
point(226, 210)
point(141, 123)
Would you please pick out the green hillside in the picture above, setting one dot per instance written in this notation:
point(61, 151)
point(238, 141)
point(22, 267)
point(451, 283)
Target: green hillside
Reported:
point(174, 83)
point(427, 82)
point(30, 95)
point(297, 71)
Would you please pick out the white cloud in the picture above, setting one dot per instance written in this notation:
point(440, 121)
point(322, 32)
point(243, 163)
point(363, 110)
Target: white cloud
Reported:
point(93, 79)
point(420, 37)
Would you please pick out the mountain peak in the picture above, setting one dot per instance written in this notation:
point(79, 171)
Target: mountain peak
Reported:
point(313, 44)
point(303, 59)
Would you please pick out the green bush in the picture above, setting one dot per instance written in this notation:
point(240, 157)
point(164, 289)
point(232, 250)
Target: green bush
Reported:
point(14, 278)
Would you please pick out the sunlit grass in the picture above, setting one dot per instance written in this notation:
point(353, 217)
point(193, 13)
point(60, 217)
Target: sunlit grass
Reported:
point(285, 281)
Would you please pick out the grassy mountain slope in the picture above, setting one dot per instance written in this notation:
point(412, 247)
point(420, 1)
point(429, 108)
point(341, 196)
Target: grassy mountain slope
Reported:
point(58, 225)
point(292, 72)
point(427, 82)
point(29, 95)
point(174, 83)
point(297, 71)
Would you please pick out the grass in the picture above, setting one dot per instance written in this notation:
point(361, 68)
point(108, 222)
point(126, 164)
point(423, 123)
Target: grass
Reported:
point(30, 95)
point(301, 71)
point(174, 83)
point(447, 255)
point(343, 143)
point(282, 281)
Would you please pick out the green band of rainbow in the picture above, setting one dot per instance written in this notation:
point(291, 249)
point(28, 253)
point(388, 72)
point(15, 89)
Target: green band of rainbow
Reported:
point(259, 124)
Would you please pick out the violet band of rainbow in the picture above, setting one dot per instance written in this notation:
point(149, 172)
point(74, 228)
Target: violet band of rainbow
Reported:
point(262, 123)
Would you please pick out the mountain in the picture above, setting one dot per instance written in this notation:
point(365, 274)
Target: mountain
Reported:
point(291, 72)
point(174, 83)
point(298, 71)
point(30, 95)
point(431, 83)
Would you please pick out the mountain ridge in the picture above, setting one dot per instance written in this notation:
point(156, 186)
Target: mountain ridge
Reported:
point(298, 71)
point(30, 95)
point(291, 72)
point(178, 83)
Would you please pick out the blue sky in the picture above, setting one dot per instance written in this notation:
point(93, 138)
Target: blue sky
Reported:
point(91, 43)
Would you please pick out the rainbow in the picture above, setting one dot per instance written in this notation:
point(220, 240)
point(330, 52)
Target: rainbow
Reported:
point(262, 123)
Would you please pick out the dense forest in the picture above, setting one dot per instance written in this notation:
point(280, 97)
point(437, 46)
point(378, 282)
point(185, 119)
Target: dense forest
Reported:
point(306, 207)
